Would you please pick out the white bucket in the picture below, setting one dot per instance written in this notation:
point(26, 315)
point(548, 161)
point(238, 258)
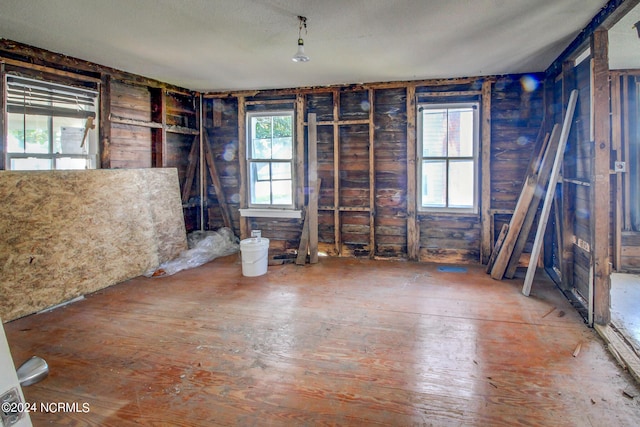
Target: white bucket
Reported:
point(254, 253)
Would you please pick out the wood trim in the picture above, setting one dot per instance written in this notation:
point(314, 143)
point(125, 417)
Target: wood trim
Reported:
point(3, 96)
point(242, 159)
point(413, 229)
point(485, 180)
point(300, 154)
point(600, 185)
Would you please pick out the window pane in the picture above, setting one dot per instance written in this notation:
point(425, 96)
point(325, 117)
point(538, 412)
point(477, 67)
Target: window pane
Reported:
point(71, 163)
point(36, 133)
point(261, 127)
point(461, 132)
point(31, 164)
point(461, 177)
point(260, 171)
point(434, 133)
point(67, 135)
point(282, 126)
point(15, 142)
point(282, 192)
point(434, 183)
point(261, 193)
point(282, 148)
point(261, 149)
point(281, 171)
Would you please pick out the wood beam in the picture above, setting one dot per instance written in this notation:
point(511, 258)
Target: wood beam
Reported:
point(568, 205)
point(485, 180)
point(336, 171)
point(600, 180)
point(413, 229)
point(314, 188)
point(372, 177)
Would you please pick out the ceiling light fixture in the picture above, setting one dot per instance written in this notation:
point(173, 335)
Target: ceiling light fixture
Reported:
point(300, 56)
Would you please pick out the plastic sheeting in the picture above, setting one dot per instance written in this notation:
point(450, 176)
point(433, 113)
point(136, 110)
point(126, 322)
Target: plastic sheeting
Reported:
point(204, 246)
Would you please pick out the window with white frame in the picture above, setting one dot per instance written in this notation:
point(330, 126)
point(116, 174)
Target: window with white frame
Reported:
point(270, 159)
point(448, 157)
point(49, 125)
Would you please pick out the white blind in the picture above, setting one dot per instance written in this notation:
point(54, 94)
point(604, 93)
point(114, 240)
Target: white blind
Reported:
point(31, 96)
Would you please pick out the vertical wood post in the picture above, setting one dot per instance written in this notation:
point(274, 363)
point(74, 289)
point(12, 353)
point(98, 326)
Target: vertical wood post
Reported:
point(568, 204)
point(600, 180)
point(314, 188)
point(104, 125)
point(413, 230)
point(372, 177)
point(336, 171)
point(242, 159)
point(485, 181)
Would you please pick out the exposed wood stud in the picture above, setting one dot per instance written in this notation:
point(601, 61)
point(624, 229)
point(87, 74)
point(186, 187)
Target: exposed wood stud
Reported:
point(242, 159)
point(372, 177)
point(104, 125)
point(485, 180)
point(336, 171)
point(314, 188)
point(191, 170)
point(568, 209)
point(600, 181)
point(413, 231)
point(217, 185)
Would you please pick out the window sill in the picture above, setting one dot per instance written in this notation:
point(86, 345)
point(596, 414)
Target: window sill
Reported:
point(270, 213)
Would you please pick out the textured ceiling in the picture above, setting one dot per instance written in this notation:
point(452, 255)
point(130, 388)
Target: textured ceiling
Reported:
point(211, 45)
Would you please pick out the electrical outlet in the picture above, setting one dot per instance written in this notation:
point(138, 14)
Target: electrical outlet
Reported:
point(620, 167)
point(12, 408)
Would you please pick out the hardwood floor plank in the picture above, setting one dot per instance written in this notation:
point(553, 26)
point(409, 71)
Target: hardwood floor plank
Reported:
point(343, 342)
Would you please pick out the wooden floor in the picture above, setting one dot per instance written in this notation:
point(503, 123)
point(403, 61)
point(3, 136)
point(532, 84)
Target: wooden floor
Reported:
point(342, 342)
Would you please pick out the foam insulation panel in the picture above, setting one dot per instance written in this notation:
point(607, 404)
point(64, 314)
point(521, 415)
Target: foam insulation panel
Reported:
point(69, 233)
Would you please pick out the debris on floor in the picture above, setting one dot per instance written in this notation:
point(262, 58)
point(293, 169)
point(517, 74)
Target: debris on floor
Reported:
point(204, 246)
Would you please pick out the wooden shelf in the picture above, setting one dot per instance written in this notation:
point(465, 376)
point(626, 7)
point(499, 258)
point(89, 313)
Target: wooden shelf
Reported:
point(132, 122)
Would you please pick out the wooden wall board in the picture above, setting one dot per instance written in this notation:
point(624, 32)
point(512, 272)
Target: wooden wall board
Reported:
point(68, 233)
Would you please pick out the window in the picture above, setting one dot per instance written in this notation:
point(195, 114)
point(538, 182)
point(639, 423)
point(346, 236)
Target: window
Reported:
point(448, 157)
point(50, 126)
point(270, 159)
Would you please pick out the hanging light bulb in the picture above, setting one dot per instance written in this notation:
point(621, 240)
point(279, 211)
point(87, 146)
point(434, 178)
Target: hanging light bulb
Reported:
point(300, 56)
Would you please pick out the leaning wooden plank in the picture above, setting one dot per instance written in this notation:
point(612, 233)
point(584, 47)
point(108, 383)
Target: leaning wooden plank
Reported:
point(517, 219)
point(301, 259)
point(191, 170)
point(543, 179)
point(497, 247)
point(546, 207)
point(215, 179)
